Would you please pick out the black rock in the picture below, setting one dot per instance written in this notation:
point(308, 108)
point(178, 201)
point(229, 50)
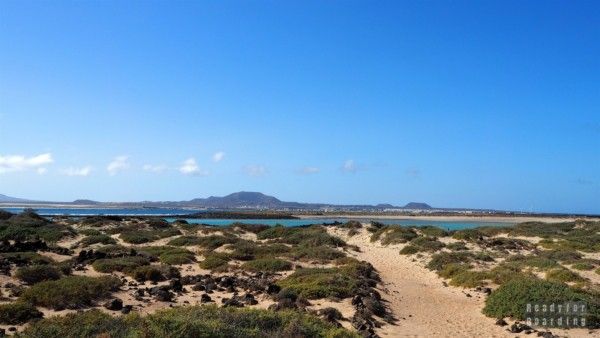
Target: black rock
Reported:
point(175, 285)
point(501, 322)
point(273, 288)
point(198, 287)
point(204, 298)
point(126, 309)
point(114, 305)
point(163, 295)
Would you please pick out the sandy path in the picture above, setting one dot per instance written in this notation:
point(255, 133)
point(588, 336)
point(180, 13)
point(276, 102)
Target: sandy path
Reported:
point(425, 307)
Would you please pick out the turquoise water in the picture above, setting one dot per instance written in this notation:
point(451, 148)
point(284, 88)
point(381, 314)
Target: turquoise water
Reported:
point(448, 225)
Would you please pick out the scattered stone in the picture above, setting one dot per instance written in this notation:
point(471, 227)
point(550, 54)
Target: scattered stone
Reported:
point(204, 298)
point(501, 322)
point(126, 309)
point(114, 305)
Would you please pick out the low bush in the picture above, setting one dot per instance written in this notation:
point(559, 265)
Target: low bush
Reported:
point(72, 292)
point(321, 253)
point(95, 239)
point(409, 250)
point(140, 236)
point(267, 264)
point(18, 313)
point(585, 266)
point(457, 246)
point(433, 231)
point(37, 273)
point(26, 258)
point(338, 282)
point(189, 321)
point(169, 254)
point(154, 273)
point(511, 298)
point(430, 244)
point(122, 264)
point(564, 275)
point(214, 261)
point(440, 260)
point(393, 234)
point(315, 235)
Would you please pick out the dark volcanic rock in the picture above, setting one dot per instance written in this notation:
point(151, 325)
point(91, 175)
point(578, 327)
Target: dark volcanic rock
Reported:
point(114, 305)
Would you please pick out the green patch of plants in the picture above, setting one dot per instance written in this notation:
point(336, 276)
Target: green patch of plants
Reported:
point(409, 250)
point(440, 260)
point(315, 235)
point(26, 258)
point(430, 244)
point(30, 226)
point(18, 313)
point(535, 261)
point(564, 275)
point(189, 321)
point(321, 253)
point(98, 239)
point(584, 266)
point(185, 241)
point(338, 282)
point(140, 236)
point(154, 273)
point(393, 234)
point(37, 273)
point(169, 254)
point(433, 231)
point(214, 261)
point(89, 232)
point(248, 250)
point(71, 292)
point(457, 246)
point(122, 264)
point(267, 264)
point(511, 298)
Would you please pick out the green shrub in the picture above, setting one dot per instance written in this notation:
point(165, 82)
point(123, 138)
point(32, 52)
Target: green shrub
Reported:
point(123, 264)
point(430, 244)
point(540, 262)
point(72, 292)
point(583, 266)
point(26, 258)
point(440, 260)
point(433, 231)
point(511, 298)
point(89, 232)
point(185, 241)
point(18, 313)
point(314, 235)
point(30, 226)
point(457, 246)
point(189, 321)
point(94, 239)
point(469, 235)
point(564, 275)
point(140, 236)
point(339, 282)
point(267, 264)
point(248, 250)
point(215, 260)
point(322, 253)
point(409, 250)
point(560, 255)
point(393, 234)
point(37, 273)
point(154, 273)
point(169, 255)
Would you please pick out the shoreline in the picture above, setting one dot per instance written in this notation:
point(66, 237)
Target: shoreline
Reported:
point(461, 218)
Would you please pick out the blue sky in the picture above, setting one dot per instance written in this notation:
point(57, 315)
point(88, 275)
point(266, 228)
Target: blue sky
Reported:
point(486, 104)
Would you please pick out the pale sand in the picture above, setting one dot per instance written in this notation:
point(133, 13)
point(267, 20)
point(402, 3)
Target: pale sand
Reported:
point(461, 218)
point(420, 302)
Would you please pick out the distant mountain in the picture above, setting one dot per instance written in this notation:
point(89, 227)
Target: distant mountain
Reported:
point(85, 202)
point(416, 205)
point(239, 200)
point(8, 199)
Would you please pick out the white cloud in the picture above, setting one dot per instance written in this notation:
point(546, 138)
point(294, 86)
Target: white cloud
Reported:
point(349, 166)
point(12, 163)
point(155, 168)
point(255, 170)
point(190, 167)
point(118, 164)
point(309, 170)
point(74, 171)
point(218, 156)
point(41, 171)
